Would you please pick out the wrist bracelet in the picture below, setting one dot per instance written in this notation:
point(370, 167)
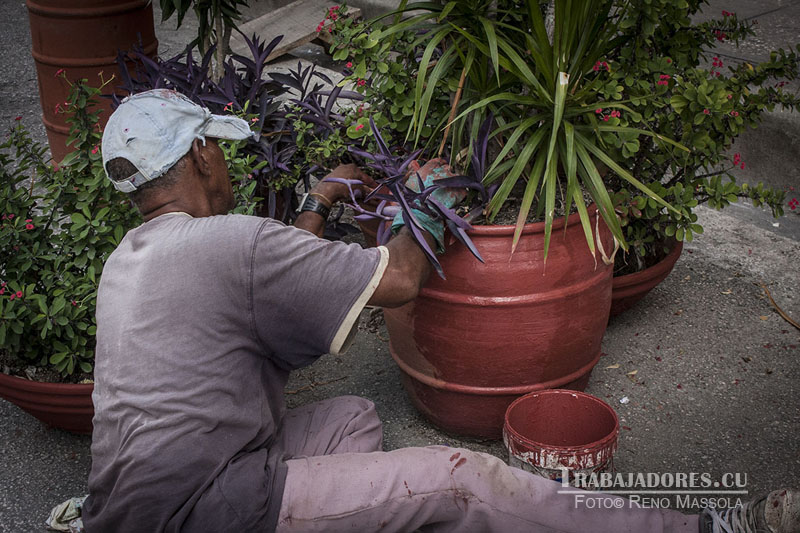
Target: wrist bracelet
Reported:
point(320, 195)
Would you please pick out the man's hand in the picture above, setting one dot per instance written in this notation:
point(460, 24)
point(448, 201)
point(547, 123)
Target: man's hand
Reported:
point(335, 191)
point(427, 174)
point(330, 192)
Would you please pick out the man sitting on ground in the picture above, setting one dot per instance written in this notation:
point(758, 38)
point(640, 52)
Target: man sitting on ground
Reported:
point(202, 315)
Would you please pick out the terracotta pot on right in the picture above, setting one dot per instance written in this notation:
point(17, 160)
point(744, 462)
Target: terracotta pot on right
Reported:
point(630, 288)
point(65, 406)
point(83, 37)
point(472, 344)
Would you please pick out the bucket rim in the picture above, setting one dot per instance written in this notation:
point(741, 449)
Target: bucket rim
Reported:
point(607, 441)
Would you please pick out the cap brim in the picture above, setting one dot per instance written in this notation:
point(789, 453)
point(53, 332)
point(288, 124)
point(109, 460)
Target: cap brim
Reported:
point(228, 127)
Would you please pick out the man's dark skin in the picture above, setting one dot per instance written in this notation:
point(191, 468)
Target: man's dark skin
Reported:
point(204, 189)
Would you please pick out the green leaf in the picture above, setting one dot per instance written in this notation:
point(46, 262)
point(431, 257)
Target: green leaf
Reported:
point(527, 198)
point(57, 357)
point(491, 39)
point(78, 220)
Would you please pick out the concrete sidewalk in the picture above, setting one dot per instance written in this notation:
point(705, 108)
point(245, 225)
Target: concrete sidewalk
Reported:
point(718, 369)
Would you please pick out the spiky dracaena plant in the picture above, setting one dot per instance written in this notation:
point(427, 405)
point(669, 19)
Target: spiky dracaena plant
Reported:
point(496, 58)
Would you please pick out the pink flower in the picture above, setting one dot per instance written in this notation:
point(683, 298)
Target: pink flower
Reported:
point(254, 120)
point(11, 296)
point(330, 29)
point(28, 226)
point(57, 109)
point(605, 118)
point(3, 290)
point(321, 24)
point(74, 303)
point(10, 216)
point(706, 112)
point(228, 107)
point(737, 157)
point(361, 83)
point(742, 167)
point(59, 72)
point(669, 61)
point(730, 96)
point(598, 110)
point(19, 294)
point(95, 149)
point(349, 64)
point(359, 127)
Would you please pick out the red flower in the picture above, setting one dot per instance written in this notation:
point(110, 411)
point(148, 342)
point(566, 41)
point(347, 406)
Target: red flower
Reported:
point(598, 110)
point(19, 294)
point(319, 27)
point(605, 118)
point(28, 226)
point(359, 127)
point(95, 149)
point(74, 303)
point(228, 107)
point(706, 112)
point(669, 61)
point(59, 72)
point(3, 291)
point(349, 64)
point(57, 109)
point(361, 83)
point(18, 118)
point(10, 216)
point(11, 296)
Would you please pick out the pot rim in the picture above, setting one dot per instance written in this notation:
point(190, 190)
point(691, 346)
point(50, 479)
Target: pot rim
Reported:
point(653, 271)
point(604, 442)
point(531, 227)
point(41, 386)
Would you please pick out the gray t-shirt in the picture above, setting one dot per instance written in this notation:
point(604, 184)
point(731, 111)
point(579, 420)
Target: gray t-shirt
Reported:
point(199, 322)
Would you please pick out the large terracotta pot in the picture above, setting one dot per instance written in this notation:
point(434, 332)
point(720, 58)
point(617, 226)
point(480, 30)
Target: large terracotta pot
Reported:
point(83, 37)
point(61, 405)
point(630, 288)
point(472, 344)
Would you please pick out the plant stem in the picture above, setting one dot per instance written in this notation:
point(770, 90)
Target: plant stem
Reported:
point(217, 14)
point(452, 110)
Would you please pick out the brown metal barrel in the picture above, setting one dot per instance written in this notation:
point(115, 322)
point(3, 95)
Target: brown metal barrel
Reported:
point(83, 37)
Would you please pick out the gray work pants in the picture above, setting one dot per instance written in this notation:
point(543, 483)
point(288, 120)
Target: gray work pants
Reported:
point(339, 480)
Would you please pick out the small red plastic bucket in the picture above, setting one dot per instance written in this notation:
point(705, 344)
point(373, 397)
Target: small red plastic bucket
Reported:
point(550, 430)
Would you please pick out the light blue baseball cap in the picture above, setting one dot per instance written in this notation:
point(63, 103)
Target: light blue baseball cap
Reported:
point(156, 128)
